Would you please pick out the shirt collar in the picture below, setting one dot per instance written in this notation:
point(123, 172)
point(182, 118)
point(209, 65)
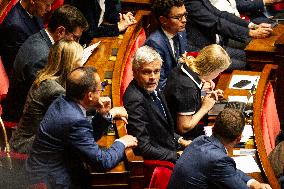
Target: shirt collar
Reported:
point(192, 75)
point(169, 36)
point(50, 37)
point(83, 110)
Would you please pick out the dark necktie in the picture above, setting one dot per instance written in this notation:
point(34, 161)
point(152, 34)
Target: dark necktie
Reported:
point(176, 47)
point(158, 103)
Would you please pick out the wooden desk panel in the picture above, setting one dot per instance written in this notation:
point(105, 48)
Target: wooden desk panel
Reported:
point(263, 51)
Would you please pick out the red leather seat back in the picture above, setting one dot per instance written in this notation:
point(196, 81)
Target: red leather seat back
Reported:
point(7, 9)
point(270, 120)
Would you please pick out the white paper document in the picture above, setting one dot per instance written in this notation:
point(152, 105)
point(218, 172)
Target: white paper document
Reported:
point(244, 152)
point(88, 52)
point(247, 133)
point(246, 164)
point(240, 99)
point(237, 78)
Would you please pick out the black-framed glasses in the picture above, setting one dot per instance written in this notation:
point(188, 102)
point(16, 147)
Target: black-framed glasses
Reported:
point(179, 17)
point(103, 85)
point(75, 37)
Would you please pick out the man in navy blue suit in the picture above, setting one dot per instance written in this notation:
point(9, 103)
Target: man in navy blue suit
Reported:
point(205, 163)
point(22, 21)
point(170, 39)
point(66, 138)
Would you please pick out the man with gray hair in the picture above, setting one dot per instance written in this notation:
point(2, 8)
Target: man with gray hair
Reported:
point(149, 119)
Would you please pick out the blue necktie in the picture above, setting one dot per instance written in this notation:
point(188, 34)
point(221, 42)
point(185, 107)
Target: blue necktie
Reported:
point(176, 47)
point(158, 103)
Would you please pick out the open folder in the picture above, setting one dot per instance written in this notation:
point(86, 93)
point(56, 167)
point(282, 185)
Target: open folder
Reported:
point(88, 52)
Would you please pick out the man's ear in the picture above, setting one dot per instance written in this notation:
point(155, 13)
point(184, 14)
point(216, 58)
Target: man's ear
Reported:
point(90, 96)
point(60, 32)
point(163, 20)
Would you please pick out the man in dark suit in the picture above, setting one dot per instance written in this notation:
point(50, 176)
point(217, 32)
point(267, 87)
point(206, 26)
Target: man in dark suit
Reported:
point(66, 138)
point(67, 22)
point(205, 163)
point(22, 21)
point(207, 25)
point(169, 40)
point(149, 118)
point(104, 18)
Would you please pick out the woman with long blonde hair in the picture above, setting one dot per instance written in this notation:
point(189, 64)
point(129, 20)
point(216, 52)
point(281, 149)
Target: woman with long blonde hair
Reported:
point(64, 56)
point(184, 86)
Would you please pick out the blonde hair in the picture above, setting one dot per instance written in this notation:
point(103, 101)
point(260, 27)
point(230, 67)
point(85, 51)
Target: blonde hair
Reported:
point(62, 59)
point(210, 59)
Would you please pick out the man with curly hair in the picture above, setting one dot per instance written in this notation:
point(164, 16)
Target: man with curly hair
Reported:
point(169, 40)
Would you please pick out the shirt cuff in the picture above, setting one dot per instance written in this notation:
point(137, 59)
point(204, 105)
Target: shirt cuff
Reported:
point(121, 142)
point(250, 181)
point(108, 117)
point(179, 139)
point(252, 26)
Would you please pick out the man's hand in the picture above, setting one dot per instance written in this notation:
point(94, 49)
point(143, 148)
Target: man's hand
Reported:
point(209, 100)
point(105, 105)
point(184, 143)
point(119, 112)
point(129, 141)
point(260, 32)
point(208, 85)
point(258, 185)
point(125, 21)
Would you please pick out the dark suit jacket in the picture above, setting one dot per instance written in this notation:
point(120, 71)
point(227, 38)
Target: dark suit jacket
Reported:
point(155, 133)
point(205, 164)
point(92, 10)
point(254, 10)
point(65, 140)
point(205, 21)
point(15, 29)
point(31, 58)
point(159, 41)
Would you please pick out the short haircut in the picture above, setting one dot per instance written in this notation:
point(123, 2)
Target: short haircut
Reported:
point(229, 124)
point(211, 58)
point(69, 17)
point(163, 7)
point(77, 86)
point(145, 54)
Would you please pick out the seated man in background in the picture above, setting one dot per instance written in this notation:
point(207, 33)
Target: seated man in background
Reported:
point(149, 118)
point(67, 22)
point(205, 162)
point(23, 20)
point(207, 25)
point(170, 39)
point(104, 18)
point(184, 86)
point(66, 138)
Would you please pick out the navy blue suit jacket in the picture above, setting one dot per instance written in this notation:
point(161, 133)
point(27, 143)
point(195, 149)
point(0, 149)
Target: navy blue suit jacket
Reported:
point(31, 58)
point(14, 30)
point(205, 21)
point(159, 41)
point(92, 10)
point(155, 133)
point(65, 140)
point(205, 164)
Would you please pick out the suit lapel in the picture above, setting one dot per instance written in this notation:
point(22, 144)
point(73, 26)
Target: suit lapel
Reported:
point(45, 37)
point(166, 41)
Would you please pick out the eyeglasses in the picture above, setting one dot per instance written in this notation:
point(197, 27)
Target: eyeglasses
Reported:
point(75, 37)
point(179, 17)
point(103, 85)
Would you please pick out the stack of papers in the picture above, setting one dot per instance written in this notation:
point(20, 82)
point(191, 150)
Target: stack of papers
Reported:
point(88, 52)
point(246, 164)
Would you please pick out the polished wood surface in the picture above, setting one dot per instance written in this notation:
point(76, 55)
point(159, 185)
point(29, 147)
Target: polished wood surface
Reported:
point(270, 51)
point(267, 174)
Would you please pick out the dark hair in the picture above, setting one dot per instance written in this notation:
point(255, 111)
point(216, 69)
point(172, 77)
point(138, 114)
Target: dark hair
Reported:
point(68, 16)
point(229, 124)
point(78, 86)
point(163, 7)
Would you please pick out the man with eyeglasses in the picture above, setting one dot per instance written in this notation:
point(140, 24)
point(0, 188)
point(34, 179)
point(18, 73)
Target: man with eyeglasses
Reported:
point(67, 22)
point(149, 118)
point(67, 139)
point(170, 39)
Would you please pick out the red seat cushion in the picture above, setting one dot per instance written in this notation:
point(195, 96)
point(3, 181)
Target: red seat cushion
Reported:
point(160, 177)
point(127, 75)
point(270, 120)
point(279, 6)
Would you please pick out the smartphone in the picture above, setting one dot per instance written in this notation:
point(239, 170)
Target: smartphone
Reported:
point(242, 83)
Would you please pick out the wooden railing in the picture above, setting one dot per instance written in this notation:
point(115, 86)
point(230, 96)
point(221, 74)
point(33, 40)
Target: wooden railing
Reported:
point(267, 74)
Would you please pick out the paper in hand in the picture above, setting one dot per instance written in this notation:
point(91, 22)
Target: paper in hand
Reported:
point(88, 51)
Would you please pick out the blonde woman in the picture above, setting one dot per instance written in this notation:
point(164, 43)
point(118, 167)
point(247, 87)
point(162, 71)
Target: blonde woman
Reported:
point(184, 85)
point(64, 56)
